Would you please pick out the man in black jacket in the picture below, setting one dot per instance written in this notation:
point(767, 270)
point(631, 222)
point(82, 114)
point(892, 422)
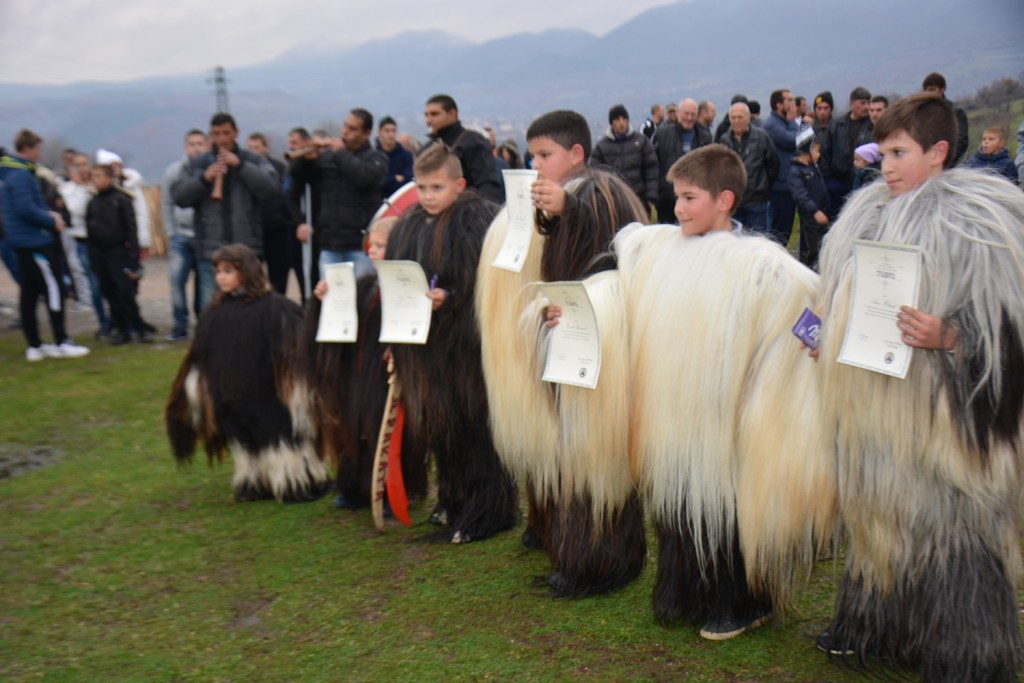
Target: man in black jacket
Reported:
point(629, 153)
point(673, 140)
point(350, 175)
point(757, 150)
point(473, 150)
point(936, 83)
point(278, 226)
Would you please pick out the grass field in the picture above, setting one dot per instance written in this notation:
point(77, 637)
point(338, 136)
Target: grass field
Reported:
point(115, 565)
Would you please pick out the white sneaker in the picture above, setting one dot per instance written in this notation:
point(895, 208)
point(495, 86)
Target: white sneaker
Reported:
point(34, 353)
point(81, 307)
point(51, 351)
point(69, 349)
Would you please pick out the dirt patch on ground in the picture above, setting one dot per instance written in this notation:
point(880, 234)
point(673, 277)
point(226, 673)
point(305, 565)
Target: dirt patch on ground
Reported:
point(15, 460)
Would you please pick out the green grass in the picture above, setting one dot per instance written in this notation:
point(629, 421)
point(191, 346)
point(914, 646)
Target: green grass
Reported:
point(115, 565)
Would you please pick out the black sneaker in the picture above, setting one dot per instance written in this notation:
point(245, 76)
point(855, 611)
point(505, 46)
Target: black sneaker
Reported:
point(724, 628)
point(829, 644)
point(119, 339)
point(145, 337)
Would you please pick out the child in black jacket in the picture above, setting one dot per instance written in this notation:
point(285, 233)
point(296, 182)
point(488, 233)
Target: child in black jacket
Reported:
point(810, 194)
point(114, 254)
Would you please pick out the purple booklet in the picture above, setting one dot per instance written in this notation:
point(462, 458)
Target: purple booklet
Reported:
point(807, 328)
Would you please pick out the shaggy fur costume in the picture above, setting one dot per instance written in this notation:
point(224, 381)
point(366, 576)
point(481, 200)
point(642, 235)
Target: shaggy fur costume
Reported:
point(344, 387)
point(232, 392)
point(442, 381)
point(724, 428)
point(930, 466)
point(569, 444)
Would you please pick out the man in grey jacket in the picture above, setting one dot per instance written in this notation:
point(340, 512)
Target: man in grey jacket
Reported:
point(178, 223)
point(225, 187)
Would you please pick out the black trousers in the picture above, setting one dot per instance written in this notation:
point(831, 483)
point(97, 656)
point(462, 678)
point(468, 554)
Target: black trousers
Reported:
point(111, 266)
point(40, 277)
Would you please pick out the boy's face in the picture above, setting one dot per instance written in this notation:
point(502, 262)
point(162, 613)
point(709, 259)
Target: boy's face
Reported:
point(859, 161)
point(554, 162)
point(991, 143)
point(822, 112)
point(698, 212)
point(387, 134)
point(227, 277)
point(378, 245)
point(905, 165)
point(101, 180)
point(438, 190)
point(875, 111)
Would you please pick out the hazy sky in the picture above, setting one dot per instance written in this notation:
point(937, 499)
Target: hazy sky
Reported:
point(61, 41)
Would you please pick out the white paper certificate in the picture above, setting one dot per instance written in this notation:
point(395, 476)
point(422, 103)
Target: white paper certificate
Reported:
point(886, 276)
point(339, 321)
point(404, 306)
point(519, 205)
point(574, 353)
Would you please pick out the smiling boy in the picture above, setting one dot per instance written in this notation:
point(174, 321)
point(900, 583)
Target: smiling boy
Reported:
point(931, 465)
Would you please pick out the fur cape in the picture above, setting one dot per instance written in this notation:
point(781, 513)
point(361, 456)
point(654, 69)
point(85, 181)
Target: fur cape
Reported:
point(442, 381)
point(343, 389)
point(930, 466)
point(569, 445)
point(724, 428)
point(232, 393)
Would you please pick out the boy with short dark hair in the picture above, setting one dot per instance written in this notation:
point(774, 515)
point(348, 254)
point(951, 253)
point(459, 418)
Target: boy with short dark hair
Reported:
point(994, 154)
point(932, 464)
point(738, 497)
point(442, 381)
point(114, 254)
point(567, 443)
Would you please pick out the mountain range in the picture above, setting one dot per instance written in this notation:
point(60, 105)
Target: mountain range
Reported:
point(706, 49)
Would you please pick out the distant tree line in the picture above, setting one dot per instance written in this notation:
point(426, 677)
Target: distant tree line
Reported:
point(999, 94)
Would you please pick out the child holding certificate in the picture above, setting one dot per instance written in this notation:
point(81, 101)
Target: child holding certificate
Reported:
point(931, 465)
point(347, 391)
point(567, 443)
point(734, 477)
point(233, 390)
point(442, 381)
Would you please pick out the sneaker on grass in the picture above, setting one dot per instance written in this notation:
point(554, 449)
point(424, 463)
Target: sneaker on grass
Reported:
point(66, 349)
point(34, 353)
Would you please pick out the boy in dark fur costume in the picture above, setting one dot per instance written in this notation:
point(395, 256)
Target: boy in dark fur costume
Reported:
point(347, 391)
point(569, 444)
point(442, 381)
point(235, 383)
point(930, 465)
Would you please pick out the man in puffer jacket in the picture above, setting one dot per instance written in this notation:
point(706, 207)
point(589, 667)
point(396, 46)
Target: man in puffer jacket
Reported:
point(629, 153)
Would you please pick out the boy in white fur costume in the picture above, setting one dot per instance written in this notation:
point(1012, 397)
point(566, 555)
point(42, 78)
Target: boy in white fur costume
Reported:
point(930, 465)
point(723, 425)
point(568, 444)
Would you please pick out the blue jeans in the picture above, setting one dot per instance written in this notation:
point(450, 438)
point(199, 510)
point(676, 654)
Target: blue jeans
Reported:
point(82, 249)
point(754, 217)
point(363, 265)
point(206, 280)
point(182, 254)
